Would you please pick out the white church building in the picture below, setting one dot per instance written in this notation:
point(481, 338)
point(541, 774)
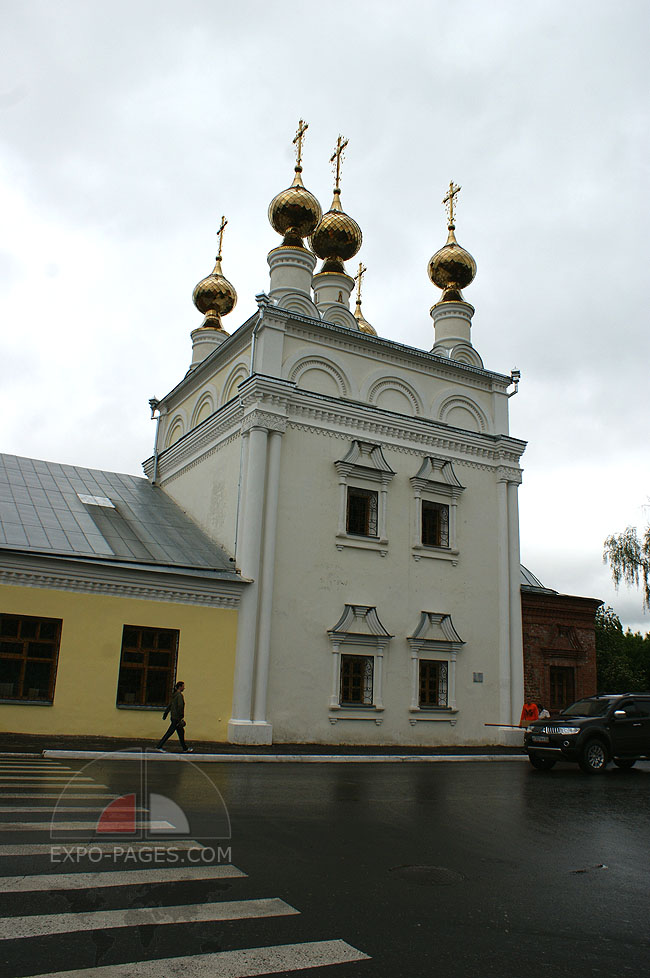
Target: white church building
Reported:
point(366, 490)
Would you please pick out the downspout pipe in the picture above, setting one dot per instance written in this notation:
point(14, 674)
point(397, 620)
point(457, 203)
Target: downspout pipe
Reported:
point(154, 405)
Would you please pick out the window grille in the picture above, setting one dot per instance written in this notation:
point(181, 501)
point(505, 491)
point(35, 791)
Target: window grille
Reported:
point(147, 666)
point(29, 652)
point(356, 680)
point(362, 512)
point(433, 683)
point(562, 683)
point(435, 524)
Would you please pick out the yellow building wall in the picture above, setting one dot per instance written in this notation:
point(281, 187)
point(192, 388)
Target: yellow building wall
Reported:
point(89, 663)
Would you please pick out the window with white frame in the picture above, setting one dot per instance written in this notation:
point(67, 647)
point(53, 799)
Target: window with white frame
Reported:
point(356, 680)
point(361, 515)
point(434, 684)
point(434, 646)
point(359, 642)
point(364, 478)
point(436, 491)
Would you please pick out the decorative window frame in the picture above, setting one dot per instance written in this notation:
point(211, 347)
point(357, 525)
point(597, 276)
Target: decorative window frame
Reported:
point(434, 638)
point(436, 482)
point(358, 631)
point(364, 467)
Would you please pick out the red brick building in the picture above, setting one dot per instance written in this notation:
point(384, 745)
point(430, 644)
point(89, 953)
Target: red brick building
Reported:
point(559, 644)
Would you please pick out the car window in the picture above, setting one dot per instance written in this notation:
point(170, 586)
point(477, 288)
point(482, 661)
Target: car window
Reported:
point(587, 708)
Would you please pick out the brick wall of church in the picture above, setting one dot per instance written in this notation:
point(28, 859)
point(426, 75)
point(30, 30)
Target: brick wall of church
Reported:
point(559, 648)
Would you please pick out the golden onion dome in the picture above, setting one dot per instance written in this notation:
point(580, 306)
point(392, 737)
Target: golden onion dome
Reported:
point(362, 322)
point(337, 238)
point(294, 213)
point(215, 297)
point(452, 269)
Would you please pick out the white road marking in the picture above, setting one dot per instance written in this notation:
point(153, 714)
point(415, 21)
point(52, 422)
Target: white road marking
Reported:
point(14, 928)
point(54, 796)
point(125, 827)
point(63, 776)
point(89, 809)
point(133, 877)
point(230, 964)
point(35, 766)
point(60, 785)
point(59, 848)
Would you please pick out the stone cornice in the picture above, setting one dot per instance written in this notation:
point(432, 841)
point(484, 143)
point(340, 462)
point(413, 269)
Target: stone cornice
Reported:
point(336, 417)
point(389, 351)
point(96, 577)
point(339, 418)
point(197, 443)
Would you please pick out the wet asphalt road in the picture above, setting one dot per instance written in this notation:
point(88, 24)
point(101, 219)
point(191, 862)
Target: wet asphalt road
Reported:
point(455, 869)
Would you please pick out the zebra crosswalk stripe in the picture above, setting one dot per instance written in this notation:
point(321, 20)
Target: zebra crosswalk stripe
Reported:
point(155, 825)
point(38, 925)
point(89, 809)
point(35, 782)
point(44, 795)
point(132, 877)
point(107, 848)
point(245, 963)
point(63, 776)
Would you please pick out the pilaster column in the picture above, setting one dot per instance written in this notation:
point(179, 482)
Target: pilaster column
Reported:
point(516, 638)
point(251, 549)
point(504, 600)
point(268, 568)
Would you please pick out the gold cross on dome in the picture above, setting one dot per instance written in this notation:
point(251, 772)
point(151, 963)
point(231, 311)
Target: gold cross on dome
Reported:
point(220, 233)
point(448, 200)
point(302, 129)
point(336, 157)
point(357, 278)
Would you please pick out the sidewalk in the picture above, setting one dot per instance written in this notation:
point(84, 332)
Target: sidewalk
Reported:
point(90, 747)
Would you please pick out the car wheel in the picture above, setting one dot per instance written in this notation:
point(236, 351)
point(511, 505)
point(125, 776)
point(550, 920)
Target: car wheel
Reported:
point(541, 762)
point(594, 757)
point(625, 763)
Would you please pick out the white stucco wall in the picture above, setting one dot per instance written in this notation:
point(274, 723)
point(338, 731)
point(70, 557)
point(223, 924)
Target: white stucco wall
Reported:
point(309, 600)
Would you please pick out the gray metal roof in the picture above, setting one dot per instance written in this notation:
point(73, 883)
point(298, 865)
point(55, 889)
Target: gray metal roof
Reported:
point(530, 582)
point(70, 511)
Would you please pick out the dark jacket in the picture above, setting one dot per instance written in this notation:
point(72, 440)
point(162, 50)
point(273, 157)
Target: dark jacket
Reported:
point(176, 707)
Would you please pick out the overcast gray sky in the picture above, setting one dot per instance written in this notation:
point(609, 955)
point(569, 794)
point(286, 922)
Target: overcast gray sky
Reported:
point(128, 128)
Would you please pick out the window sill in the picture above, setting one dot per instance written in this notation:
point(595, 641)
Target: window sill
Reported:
point(440, 714)
point(435, 553)
point(373, 713)
point(5, 701)
point(135, 706)
point(362, 543)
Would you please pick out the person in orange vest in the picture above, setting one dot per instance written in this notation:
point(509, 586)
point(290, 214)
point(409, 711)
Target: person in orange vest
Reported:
point(528, 714)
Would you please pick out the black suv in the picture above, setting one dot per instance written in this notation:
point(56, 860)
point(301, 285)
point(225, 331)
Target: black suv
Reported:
point(593, 731)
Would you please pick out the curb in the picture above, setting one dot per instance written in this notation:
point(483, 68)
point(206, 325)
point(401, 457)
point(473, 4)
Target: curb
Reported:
point(283, 758)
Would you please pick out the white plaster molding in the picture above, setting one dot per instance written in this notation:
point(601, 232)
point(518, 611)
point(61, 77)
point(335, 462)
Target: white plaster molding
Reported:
point(297, 302)
point(205, 400)
point(339, 316)
point(237, 376)
point(334, 370)
point(263, 419)
point(430, 364)
point(434, 638)
point(120, 582)
point(446, 402)
point(395, 384)
point(175, 428)
point(507, 473)
point(358, 630)
point(436, 482)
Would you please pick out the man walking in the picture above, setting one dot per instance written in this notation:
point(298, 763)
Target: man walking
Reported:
point(176, 709)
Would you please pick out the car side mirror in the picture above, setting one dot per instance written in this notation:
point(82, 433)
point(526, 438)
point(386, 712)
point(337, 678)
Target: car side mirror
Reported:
point(620, 714)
